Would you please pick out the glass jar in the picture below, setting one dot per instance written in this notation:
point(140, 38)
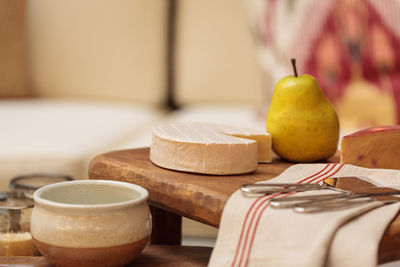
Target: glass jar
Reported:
point(15, 214)
point(30, 183)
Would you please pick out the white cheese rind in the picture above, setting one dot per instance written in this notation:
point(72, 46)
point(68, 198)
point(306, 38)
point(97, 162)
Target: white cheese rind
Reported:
point(204, 148)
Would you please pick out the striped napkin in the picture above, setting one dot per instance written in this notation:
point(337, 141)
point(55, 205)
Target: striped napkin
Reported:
point(253, 234)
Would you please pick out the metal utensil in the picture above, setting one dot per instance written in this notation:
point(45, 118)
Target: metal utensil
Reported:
point(290, 202)
point(270, 188)
point(346, 201)
point(362, 191)
point(359, 191)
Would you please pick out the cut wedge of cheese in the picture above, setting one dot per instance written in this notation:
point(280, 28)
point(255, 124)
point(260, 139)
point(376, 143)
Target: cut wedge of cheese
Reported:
point(209, 148)
point(375, 147)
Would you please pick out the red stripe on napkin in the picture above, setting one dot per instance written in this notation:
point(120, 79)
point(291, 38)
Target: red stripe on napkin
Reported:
point(265, 198)
point(265, 207)
point(243, 226)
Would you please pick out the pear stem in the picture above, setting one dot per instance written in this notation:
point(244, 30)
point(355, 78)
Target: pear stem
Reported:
point(294, 67)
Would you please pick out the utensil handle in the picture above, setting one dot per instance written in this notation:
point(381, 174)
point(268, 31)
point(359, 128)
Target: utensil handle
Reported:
point(290, 202)
point(330, 205)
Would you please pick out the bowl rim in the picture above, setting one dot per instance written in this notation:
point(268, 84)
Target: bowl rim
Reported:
point(144, 194)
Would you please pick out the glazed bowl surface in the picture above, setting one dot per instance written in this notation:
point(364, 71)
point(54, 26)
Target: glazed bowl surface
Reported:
point(90, 222)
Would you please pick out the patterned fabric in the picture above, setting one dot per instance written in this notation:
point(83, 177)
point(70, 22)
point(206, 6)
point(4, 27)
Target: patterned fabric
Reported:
point(352, 47)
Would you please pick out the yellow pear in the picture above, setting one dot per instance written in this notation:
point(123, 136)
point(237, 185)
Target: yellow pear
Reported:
point(303, 123)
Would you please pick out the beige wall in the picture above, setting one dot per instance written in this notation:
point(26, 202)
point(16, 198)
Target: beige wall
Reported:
point(217, 60)
point(13, 66)
point(98, 48)
point(115, 49)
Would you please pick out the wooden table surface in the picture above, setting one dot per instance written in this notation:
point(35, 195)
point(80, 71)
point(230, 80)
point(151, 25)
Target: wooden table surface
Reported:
point(200, 197)
point(152, 256)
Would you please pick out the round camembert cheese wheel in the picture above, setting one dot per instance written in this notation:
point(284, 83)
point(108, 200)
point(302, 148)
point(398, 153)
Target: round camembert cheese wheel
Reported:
point(209, 148)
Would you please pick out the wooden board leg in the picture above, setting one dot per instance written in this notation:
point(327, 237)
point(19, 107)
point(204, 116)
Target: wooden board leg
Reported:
point(167, 227)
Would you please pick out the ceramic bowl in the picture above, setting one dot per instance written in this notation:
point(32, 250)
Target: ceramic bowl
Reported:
point(90, 222)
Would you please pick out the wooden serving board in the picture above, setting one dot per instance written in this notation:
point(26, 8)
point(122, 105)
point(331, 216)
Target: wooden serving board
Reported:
point(201, 197)
point(195, 196)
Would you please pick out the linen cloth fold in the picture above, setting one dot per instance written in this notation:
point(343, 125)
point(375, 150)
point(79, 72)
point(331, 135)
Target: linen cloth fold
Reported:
point(253, 234)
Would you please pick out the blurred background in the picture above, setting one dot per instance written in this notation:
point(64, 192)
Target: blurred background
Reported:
point(80, 78)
